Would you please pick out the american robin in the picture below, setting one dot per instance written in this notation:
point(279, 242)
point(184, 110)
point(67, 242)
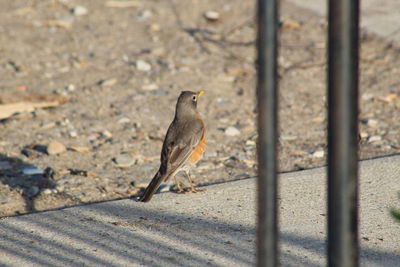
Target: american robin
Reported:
point(183, 145)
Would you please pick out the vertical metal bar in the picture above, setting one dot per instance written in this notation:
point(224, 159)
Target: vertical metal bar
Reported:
point(343, 49)
point(267, 104)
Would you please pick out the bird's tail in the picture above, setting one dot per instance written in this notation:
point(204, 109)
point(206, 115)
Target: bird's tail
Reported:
point(152, 187)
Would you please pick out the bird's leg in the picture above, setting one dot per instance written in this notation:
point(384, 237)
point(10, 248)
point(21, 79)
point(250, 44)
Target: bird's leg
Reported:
point(192, 188)
point(178, 185)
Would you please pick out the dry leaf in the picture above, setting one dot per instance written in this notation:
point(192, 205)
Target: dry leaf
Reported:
point(21, 88)
point(57, 23)
point(386, 99)
point(19, 103)
point(24, 10)
point(31, 97)
point(291, 24)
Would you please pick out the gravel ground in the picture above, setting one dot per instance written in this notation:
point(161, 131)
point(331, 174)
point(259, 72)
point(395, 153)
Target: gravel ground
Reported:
point(119, 71)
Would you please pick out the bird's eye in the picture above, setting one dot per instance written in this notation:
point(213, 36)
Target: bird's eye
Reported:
point(194, 98)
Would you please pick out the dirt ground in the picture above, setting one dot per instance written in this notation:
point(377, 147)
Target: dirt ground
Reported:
point(120, 70)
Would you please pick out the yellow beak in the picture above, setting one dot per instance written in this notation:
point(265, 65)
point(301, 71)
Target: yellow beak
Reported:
point(200, 93)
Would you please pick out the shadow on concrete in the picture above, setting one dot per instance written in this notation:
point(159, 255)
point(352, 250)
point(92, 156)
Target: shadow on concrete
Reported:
point(368, 256)
point(131, 235)
point(11, 174)
point(110, 234)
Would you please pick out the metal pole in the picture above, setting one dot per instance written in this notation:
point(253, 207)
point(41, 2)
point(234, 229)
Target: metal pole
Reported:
point(267, 104)
point(343, 49)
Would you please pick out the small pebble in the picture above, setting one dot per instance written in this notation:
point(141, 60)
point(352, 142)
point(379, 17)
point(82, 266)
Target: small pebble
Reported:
point(372, 123)
point(363, 135)
point(32, 171)
point(250, 142)
point(164, 188)
point(55, 147)
point(49, 173)
point(150, 87)
point(155, 27)
point(319, 119)
point(48, 125)
point(288, 137)
point(93, 136)
point(70, 88)
point(79, 11)
point(47, 191)
point(72, 133)
point(145, 15)
point(106, 133)
point(212, 15)
point(124, 161)
point(249, 163)
point(60, 188)
point(367, 96)
point(318, 154)
point(143, 65)
point(31, 153)
point(232, 131)
point(124, 120)
point(374, 138)
point(108, 82)
point(32, 191)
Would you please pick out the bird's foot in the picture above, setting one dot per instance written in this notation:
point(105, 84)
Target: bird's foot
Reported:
point(195, 190)
point(187, 190)
point(181, 191)
point(190, 190)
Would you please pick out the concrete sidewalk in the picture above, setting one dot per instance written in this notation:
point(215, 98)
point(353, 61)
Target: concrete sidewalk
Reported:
point(216, 227)
point(377, 16)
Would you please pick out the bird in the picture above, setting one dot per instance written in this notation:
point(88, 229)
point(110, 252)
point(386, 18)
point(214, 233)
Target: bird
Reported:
point(183, 146)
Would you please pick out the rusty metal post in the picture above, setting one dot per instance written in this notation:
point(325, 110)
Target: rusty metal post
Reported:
point(343, 52)
point(267, 104)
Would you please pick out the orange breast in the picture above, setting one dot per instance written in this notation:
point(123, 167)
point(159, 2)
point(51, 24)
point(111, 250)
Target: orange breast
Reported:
point(199, 150)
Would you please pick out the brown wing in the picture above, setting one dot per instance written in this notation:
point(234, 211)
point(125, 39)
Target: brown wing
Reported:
point(180, 143)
